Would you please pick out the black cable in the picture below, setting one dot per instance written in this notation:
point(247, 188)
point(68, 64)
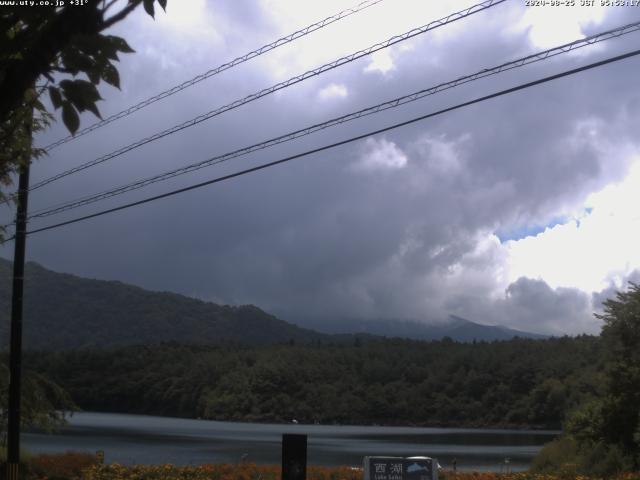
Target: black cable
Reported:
point(381, 107)
point(214, 71)
point(279, 86)
point(344, 142)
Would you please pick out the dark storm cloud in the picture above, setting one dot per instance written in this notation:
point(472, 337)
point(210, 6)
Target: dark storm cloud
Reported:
point(388, 227)
point(532, 305)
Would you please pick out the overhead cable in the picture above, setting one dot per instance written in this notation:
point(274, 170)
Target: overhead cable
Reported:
point(214, 71)
point(343, 142)
point(396, 102)
point(279, 86)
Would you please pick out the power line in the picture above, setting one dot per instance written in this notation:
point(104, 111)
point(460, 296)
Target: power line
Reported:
point(344, 142)
point(225, 66)
point(543, 55)
point(287, 83)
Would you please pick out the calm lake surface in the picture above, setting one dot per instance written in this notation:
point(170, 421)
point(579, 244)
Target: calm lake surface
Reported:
point(139, 439)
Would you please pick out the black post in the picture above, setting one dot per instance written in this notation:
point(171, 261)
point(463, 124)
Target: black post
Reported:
point(15, 355)
point(294, 457)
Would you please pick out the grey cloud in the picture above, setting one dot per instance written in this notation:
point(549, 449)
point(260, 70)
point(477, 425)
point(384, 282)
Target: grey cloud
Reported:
point(532, 305)
point(610, 292)
point(562, 309)
point(318, 234)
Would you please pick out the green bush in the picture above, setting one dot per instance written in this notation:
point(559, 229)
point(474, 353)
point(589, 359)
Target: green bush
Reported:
point(604, 460)
point(566, 458)
point(559, 455)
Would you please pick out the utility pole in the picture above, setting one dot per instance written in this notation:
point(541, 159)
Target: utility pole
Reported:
point(15, 354)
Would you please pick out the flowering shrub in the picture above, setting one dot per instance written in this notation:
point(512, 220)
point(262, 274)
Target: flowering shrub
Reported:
point(528, 476)
point(62, 466)
point(81, 466)
point(251, 471)
point(245, 471)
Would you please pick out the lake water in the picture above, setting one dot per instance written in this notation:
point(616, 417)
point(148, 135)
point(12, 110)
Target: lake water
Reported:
point(139, 439)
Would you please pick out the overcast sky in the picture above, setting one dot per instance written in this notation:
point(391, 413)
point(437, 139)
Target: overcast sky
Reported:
point(520, 211)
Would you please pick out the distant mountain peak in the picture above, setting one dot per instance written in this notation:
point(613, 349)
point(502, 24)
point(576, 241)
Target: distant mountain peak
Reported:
point(455, 320)
point(457, 328)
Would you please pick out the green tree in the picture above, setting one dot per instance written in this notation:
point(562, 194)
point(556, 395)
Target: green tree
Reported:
point(44, 403)
point(606, 429)
point(621, 335)
point(65, 49)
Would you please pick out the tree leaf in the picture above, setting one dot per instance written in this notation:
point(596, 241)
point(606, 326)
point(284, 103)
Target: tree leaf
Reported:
point(107, 51)
point(94, 76)
point(120, 44)
point(56, 97)
point(90, 44)
point(93, 109)
point(148, 6)
point(80, 92)
point(70, 117)
point(65, 83)
point(110, 75)
point(75, 61)
point(163, 4)
point(38, 105)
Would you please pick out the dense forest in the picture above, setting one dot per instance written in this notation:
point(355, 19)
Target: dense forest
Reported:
point(523, 383)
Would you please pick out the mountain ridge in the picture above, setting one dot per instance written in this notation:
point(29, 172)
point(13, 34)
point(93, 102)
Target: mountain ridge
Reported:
point(75, 312)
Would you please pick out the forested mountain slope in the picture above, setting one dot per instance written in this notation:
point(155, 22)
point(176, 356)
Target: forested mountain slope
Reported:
point(64, 311)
